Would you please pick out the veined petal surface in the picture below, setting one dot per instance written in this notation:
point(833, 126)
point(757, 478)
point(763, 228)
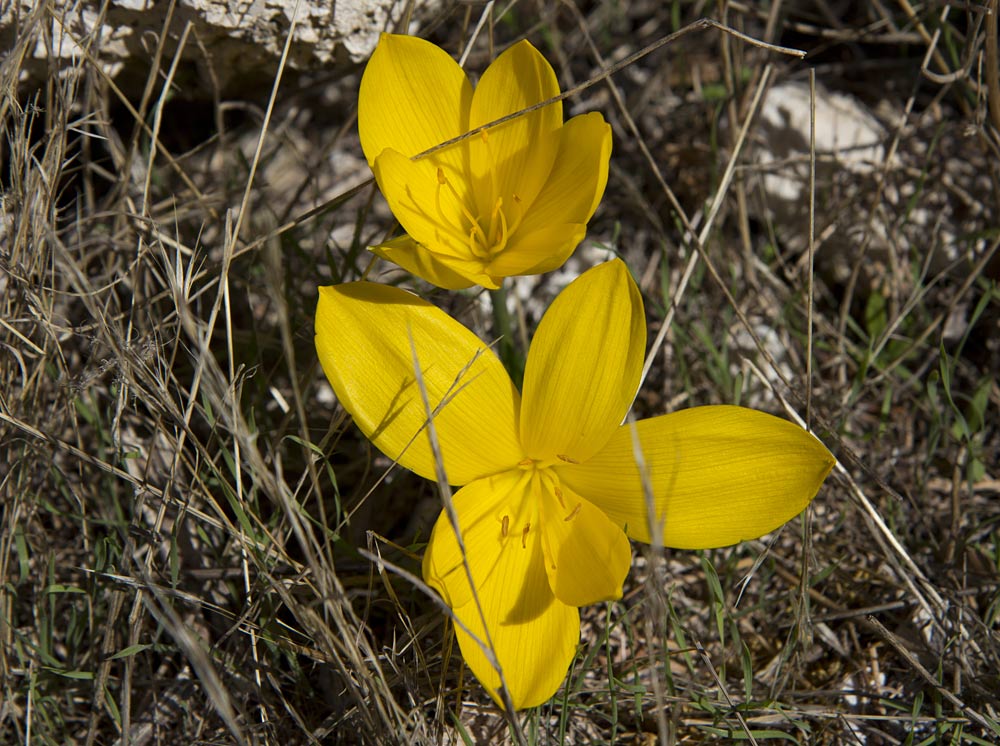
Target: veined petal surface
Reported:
point(514, 159)
point(363, 338)
point(429, 210)
point(421, 262)
point(485, 509)
point(448, 272)
point(547, 247)
point(556, 222)
point(719, 475)
point(583, 366)
point(586, 555)
point(534, 634)
point(413, 96)
point(578, 178)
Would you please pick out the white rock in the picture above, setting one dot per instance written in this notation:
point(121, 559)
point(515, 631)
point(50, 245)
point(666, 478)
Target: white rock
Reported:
point(845, 130)
point(242, 38)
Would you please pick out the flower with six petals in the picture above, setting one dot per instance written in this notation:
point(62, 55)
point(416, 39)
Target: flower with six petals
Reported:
point(511, 199)
point(552, 490)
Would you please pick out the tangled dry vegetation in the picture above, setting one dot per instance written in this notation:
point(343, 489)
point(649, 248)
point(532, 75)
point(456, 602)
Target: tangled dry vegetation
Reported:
point(197, 546)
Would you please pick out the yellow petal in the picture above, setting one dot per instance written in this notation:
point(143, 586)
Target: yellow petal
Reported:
point(413, 96)
point(419, 261)
point(534, 634)
point(546, 248)
point(514, 159)
point(363, 338)
point(481, 507)
point(576, 183)
point(429, 211)
point(719, 475)
point(586, 555)
point(555, 223)
point(583, 367)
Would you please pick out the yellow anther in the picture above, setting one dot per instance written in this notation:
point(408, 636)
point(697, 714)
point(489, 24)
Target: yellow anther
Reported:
point(525, 463)
point(572, 515)
point(517, 200)
point(442, 179)
point(505, 526)
point(483, 136)
point(559, 497)
point(524, 536)
point(567, 459)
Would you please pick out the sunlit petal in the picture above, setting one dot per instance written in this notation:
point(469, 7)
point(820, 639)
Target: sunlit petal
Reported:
point(418, 261)
point(363, 338)
point(577, 180)
point(719, 475)
point(556, 222)
point(583, 367)
point(429, 210)
point(395, 109)
point(448, 272)
point(586, 555)
point(485, 509)
point(514, 159)
point(533, 633)
point(545, 248)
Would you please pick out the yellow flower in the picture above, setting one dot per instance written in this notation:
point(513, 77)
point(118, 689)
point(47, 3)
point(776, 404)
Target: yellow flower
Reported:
point(513, 199)
point(551, 486)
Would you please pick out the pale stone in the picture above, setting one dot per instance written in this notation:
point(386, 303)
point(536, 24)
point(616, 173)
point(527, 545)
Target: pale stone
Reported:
point(239, 42)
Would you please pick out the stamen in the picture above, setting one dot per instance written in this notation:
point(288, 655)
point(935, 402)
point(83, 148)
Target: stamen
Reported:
point(525, 463)
point(559, 497)
point(499, 228)
point(572, 515)
point(524, 536)
point(567, 459)
point(477, 237)
point(505, 526)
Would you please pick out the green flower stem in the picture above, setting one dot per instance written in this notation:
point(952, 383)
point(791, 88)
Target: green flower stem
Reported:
point(503, 326)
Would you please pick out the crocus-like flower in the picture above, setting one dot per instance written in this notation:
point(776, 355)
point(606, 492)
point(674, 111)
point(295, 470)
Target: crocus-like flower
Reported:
point(512, 199)
point(552, 489)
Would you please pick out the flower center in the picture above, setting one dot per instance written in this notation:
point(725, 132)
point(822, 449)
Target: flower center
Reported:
point(487, 234)
point(486, 242)
point(544, 483)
